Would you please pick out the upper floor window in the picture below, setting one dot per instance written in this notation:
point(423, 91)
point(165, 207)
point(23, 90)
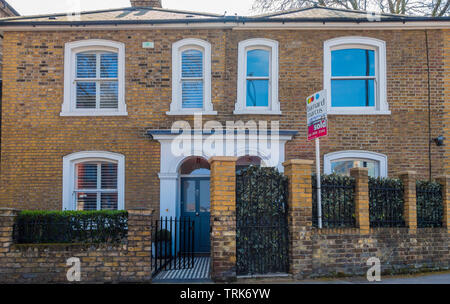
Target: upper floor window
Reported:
point(355, 75)
point(191, 78)
point(93, 181)
point(94, 78)
point(257, 77)
point(341, 162)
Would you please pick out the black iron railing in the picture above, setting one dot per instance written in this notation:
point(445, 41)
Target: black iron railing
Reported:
point(429, 204)
point(172, 244)
point(338, 203)
point(386, 202)
point(262, 244)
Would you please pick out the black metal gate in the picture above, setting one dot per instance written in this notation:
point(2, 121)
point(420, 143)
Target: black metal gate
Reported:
point(172, 244)
point(261, 222)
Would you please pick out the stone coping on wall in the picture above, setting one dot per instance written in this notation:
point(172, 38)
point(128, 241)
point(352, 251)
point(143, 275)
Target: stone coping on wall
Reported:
point(377, 230)
point(58, 247)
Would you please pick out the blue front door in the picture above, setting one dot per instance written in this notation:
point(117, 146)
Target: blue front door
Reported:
point(195, 204)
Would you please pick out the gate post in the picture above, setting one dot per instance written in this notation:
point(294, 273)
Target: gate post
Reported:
point(445, 182)
point(299, 216)
point(223, 218)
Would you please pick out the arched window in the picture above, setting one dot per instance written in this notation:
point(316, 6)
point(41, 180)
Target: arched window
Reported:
point(191, 78)
point(257, 77)
point(93, 181)
point(341, 162)
point(355, 75)
point(94, 78)
point(246, 161)
point(195, 166)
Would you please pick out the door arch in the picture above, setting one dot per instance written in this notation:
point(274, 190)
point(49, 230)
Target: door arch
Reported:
point(195, 199)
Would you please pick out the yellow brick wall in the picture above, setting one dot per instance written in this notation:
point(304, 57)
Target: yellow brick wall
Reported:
point(35, 137)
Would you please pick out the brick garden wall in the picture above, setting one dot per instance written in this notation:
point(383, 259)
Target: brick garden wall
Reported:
point(346, 251)
point(46, 263)
point(35, 137)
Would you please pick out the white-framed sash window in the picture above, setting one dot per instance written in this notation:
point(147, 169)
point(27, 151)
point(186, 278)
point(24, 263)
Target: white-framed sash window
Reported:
point(94, 79)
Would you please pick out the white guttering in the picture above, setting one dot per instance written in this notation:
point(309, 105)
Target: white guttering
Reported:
point(244, 26)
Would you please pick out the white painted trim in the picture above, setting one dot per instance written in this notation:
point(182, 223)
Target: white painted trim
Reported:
point(69, 162)
point(381, 104)
point(356, 154)
point(70, 51)
point(176, 104)
point(274, 103)
point(398, 25)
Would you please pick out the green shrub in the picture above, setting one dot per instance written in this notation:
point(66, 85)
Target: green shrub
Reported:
point(430, 209)
point(106, 226)
point(386, 202)
point(161, 236)
point(338, 204)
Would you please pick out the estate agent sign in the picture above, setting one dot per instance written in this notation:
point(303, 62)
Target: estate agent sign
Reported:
point(316, 108)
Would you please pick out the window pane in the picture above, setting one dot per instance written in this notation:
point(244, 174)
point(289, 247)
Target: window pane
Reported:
point(87, 176)
point(108, 201)
point(192, 92)
point(192, 63)
point(343, 167)
point(86, 201)
point(258, 63)
point(109, 95)
point(109, 176)
point(188, 187)
point(86, 65)
point(86, 92)
point(353, 93)
point(204, 196)
point(257, 93)
point(353, 62)
point(108, 65)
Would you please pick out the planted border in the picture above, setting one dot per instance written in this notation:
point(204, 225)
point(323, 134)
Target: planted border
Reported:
point(64, 227)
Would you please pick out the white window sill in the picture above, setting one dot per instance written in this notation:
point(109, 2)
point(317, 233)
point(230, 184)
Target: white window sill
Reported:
point(190, 112)
point(357, 112)
point(256, 112)
point(94, 113)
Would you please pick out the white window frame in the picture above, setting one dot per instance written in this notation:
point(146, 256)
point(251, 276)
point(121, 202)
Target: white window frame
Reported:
point(93, 45)
point(273, 107)
point(69, 175)
point(178, 47)
point(356, 154)
point(381, 105)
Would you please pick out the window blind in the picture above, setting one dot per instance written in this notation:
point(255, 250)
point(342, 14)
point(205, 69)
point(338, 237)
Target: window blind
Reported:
point(192, 79)
point(96, 82)
point(96, 186)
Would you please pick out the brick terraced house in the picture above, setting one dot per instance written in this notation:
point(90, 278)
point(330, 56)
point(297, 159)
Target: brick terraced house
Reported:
point(89, 100)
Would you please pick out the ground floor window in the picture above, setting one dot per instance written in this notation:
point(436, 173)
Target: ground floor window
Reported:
point(341, 162)
point(93, 181)
point(96, 186)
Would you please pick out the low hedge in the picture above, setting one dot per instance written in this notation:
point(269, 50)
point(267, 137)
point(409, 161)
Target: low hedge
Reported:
point(37, 227)
point(430, 207)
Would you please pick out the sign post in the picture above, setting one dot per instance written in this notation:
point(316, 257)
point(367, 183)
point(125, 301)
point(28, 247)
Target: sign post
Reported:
point(316, 109)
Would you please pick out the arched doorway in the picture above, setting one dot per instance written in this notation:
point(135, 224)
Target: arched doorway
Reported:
point(195, 199)
point(246, 161)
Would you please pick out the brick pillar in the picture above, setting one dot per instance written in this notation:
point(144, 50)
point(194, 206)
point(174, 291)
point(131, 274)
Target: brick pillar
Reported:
point(7, 218)
point(408, 179)
point(223, 218)
point(299, 216)
point(361, 177)
point(445, 182)
point(140, 244)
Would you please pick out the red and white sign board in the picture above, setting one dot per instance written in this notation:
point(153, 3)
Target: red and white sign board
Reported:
point(316, 109)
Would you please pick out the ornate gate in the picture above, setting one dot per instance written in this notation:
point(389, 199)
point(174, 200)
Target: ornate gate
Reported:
point(261, 221)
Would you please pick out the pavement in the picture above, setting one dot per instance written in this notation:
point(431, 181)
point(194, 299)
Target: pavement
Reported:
point(423, 278)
